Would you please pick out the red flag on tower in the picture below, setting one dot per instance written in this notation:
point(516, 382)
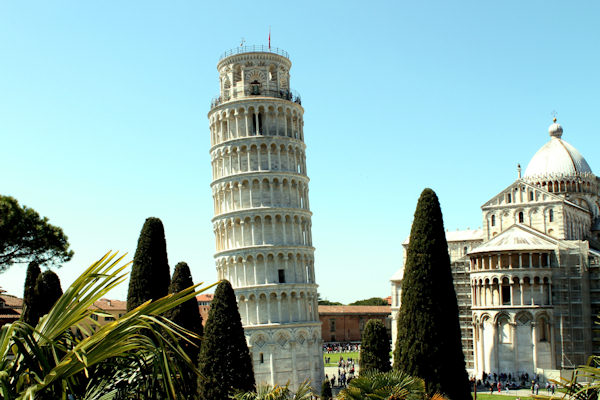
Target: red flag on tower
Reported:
point(269, 38)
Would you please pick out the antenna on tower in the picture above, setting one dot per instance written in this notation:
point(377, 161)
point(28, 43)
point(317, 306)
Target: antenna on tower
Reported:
point(242, 42)
point(269, 37)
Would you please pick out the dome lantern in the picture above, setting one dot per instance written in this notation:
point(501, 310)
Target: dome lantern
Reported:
point(555, 130)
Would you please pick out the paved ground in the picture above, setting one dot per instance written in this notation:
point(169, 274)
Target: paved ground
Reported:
point(333, 371)
point(525, 393)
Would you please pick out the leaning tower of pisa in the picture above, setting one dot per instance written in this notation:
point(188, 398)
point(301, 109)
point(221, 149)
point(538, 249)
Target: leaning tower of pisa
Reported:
point(262, 219)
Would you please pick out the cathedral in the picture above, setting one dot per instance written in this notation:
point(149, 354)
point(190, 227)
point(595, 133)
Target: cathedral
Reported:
point(528, 282)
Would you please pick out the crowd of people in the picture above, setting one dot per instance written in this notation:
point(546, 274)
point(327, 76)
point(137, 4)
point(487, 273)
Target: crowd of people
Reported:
point(498, 382)
point(346, 347)
point(346, 370)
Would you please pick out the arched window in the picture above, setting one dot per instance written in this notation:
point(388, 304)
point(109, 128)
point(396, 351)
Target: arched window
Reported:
point(531, 196)
point(505, 292)
point(521, 217)
point(509, 198)
point(465, 251)
point(551, 215)
point(493, 220)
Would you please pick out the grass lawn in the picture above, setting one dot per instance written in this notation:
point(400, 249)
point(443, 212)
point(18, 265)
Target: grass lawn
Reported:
point(335, 357)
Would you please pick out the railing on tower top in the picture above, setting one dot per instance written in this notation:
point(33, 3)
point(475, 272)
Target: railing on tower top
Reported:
point(254, 49)
point(232, 94)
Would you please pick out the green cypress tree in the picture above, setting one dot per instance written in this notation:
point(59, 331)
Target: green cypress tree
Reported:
point(29, 300)
point(186, 315)
point(47, 292)
point(375, 347)
point(429, 343)
point(326, 390)
point(224, 360)
point(150, 277)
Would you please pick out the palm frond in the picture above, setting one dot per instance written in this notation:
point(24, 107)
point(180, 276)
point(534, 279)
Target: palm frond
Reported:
point(51, 359)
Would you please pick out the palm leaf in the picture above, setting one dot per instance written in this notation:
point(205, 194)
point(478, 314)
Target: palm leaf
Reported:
point(49, 358)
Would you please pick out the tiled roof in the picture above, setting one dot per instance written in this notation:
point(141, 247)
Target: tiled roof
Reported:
point(10, 313)
point(12, 301)
point(205, 297)
point(111, 305)
point(354, 309)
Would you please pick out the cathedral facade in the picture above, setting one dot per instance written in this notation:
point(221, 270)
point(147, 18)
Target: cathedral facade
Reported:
point(262, 219)
point(528, 282)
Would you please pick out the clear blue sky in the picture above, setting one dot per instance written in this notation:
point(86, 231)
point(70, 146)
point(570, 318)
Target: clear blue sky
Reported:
point(103, 121)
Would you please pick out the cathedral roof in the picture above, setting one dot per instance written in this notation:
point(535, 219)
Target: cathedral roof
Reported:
point(464, 236)
point(398, 275)
point(557, 158)
point(458, 236)
point(520, 238)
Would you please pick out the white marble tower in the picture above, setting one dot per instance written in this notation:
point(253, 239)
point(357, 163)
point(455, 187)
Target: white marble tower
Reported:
point(262, 220)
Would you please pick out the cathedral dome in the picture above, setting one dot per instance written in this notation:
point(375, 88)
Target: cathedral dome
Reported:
point(557, 158)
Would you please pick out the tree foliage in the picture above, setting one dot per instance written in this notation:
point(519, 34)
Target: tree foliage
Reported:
point(224, 360)
point(49, 362)
point(375, 347)
point(325, 302)
point(26, 237)
point(186, 315)
point(373, 301)
point(329, 303)
point(150, 275)
point(47, 291)
point(29, 299)
point(429, 343)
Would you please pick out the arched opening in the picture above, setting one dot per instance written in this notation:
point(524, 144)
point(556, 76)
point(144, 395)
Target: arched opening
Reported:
point(257, 124)
point(505, 292)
